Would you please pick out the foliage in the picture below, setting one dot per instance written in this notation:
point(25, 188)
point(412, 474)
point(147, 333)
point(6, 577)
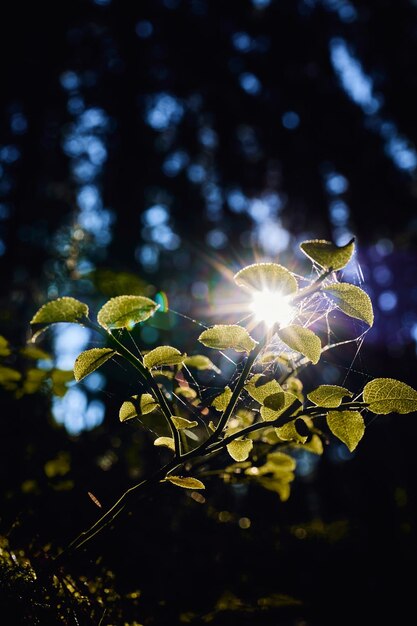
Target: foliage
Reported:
point(254, 428)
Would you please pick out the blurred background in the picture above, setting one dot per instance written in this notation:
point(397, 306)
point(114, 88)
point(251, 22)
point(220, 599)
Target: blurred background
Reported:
point(145, 147)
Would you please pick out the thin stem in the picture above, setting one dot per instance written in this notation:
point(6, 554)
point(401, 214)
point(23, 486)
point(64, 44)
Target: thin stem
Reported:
point(315, 286)
point(148, 378)
point(282, 419)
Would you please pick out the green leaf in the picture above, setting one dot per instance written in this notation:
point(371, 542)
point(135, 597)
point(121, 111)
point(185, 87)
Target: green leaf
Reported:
point(8, 375)
point(136, 407)
point(348, 426)
point(4, 347)
point(180, 423)
point(267, 276)
point(224, 337)
point(352, 300)
point(126, 311)
point(33, 380)
point(328, 396)
point(60, 380)
point(200, 362)
point(186, 482)
point(186, 392)
point(387, 395)
point(33, 352)
point(302, 340)
point(221, 401)
point(279, 486)
point(315, 445)
point(289, 432)
point(90, 360)
point(239, 449)
point(61, 310)
point(327, 254)
point(260, 390)
point(165, 442)
point(163, 355)
point(275, 404)
point(281, 461)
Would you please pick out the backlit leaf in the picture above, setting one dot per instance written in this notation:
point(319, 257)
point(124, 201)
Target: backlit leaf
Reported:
point(90, 360)
point(302, 340)
point(137, 406)
point(163, 355)
point(387, 395)
point(328, 396)
point(180, 423)
point(8, 375)
point(348, 426)
point(267, 276)
point(352, 300)
point(275, 404)
point(239, 449)
point(221, 401)
point(4, 347)
point(186, 482)
point(186, 392)
point(281, 460)
point(327, 254)
point(259, 389)
point(315, 445)
point(200, 362)
point(60, 379)
point(289, 432)
point(224, 337)
point(61, 310)
point(33, 380)
point(126, 311)
point(165, 442)
point(33, 352)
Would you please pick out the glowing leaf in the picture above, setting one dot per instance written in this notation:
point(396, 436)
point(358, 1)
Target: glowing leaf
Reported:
point(180, 423)
point(223, 337)
point(90, 360)
point(126, 311)
point(275, 404)
point(328, 396)
point(186, 392)
point(387, 395)
point(260, 390)
point(221, 401)
point(302, 340)
point(267, 276)
point(135, 407)
point(200, 362)
point(33, 352)
point(352, 300)
point(4, 347)
point(239, 449)
point(327, 254)
point(8, 375)
point(281, 461)
point(60, 380)
point(165, 442)
point(315, 445)
point(186, 482)
point(290, 432)
point(33, 380)
point(61, 310)
point(348, 426)
point(163, 355)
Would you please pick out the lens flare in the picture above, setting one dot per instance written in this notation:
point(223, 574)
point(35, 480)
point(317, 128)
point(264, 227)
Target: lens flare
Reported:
point(271, 307)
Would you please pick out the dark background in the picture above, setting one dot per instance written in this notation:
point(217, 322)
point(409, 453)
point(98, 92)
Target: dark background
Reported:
point(164, 138)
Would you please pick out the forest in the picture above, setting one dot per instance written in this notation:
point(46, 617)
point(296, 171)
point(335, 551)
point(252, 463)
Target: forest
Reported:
point(218, 454)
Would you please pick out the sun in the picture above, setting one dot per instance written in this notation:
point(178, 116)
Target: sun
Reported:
point(271, 307)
